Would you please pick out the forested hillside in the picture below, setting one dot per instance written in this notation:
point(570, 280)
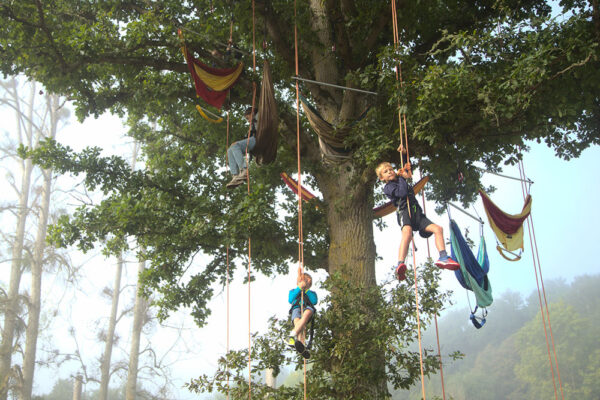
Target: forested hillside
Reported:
point(507, 358)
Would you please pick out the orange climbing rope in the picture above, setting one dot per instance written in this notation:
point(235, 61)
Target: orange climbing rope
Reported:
point(437, 332)
point(248, 188)
point(537, 268)
point(227, 277)
point(401, 119)
point(300, 233)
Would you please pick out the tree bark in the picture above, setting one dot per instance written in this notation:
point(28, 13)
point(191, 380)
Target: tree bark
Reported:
point(110, 335)
point(33, 321)
point(12, 302)
point(139, 310)
point(77, 387)
point(349, 195)
point(350, 220)
point(270, 378)
point(347, 190)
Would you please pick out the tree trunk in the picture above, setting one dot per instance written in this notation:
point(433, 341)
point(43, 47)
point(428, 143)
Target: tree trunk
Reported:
point(11, 310)
point(33, 320)
point(139, 311)
point(348, 192)
point(270, 378)
point(77, 387)
point(352, 255)
point(350, 220)
point(110, 335)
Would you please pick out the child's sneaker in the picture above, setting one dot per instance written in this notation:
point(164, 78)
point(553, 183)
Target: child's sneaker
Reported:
point(299, 347)
point(235, 182)
point(290, 342)
point(306, 354)
point(401, 271)
point(448, 263)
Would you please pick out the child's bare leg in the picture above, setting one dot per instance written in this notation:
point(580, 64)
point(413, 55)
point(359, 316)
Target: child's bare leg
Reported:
point(302, 336)
point(438, 233)
point(444, 261)
point(300, 323)
point(406, 236)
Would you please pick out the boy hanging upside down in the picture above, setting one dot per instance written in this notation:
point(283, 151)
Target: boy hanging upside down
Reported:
point(410, 216)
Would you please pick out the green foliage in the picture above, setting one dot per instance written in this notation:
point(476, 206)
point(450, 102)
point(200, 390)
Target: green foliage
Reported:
point(480, 81)
point(350, 321)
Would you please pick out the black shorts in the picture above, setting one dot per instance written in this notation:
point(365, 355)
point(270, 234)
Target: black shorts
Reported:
point(417, 220)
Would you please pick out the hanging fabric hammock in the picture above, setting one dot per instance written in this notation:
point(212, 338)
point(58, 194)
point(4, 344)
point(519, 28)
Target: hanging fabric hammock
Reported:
point(378, 212)
point(206, 117)
point(267, 137)
point(331, 138)
point(472, 274)
point(212, 84)
point(508, 228)
point(292, 184)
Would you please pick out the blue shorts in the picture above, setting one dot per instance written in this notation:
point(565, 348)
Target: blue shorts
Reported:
point(296, 312)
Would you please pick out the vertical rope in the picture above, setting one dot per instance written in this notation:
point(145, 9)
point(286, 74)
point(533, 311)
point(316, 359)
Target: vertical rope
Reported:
point(537, 267)
point(300, 232)
point(402, 123)
point(437, 332)
point(248, 189)
point(227, 278)
point(537, 281)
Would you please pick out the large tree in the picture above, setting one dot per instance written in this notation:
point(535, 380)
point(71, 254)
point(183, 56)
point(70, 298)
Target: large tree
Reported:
point(480, 80)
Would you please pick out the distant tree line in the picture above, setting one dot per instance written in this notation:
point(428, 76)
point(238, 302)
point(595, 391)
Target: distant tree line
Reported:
point(508, 359)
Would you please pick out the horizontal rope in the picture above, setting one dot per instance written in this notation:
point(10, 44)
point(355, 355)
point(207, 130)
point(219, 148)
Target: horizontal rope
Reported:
point(335, 86)
point(506, 176)
point(464, 212)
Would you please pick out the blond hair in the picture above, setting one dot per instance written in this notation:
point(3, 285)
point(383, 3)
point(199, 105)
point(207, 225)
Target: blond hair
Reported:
point(380, 168)
point(306, 278)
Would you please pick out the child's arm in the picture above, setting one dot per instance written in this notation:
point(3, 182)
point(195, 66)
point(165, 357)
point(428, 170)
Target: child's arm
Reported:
point(293, 294)
point(396, 190)
point(312, 296)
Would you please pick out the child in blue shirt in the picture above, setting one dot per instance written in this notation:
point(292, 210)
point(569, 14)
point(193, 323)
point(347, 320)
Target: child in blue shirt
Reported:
point(302, 310)
point(401, 193)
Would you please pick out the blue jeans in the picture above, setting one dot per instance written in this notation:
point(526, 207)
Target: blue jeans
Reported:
point(296, 312)
point(236, 154)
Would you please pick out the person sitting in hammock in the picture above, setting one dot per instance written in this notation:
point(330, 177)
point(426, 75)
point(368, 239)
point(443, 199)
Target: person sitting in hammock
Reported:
point(303, 303)
point(402, 195)
point(237, 152)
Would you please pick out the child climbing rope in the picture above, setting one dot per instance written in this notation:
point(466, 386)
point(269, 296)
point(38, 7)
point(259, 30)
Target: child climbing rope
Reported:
point(402, 195)
point(236, 154)
point(299, 302)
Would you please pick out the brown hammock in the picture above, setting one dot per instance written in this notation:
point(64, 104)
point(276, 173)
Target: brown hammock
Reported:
point(267, 137)
point(331, 138)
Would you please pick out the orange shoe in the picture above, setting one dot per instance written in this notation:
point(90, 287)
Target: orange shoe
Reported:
point(401, 271)
point(448, 263)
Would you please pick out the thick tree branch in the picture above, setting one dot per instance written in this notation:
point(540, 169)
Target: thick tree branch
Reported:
point(343, 47)
point(48, 34)
point(376, 28)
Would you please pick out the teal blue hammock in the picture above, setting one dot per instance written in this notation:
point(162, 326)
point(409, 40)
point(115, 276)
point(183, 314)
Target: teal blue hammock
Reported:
point(473, 272)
